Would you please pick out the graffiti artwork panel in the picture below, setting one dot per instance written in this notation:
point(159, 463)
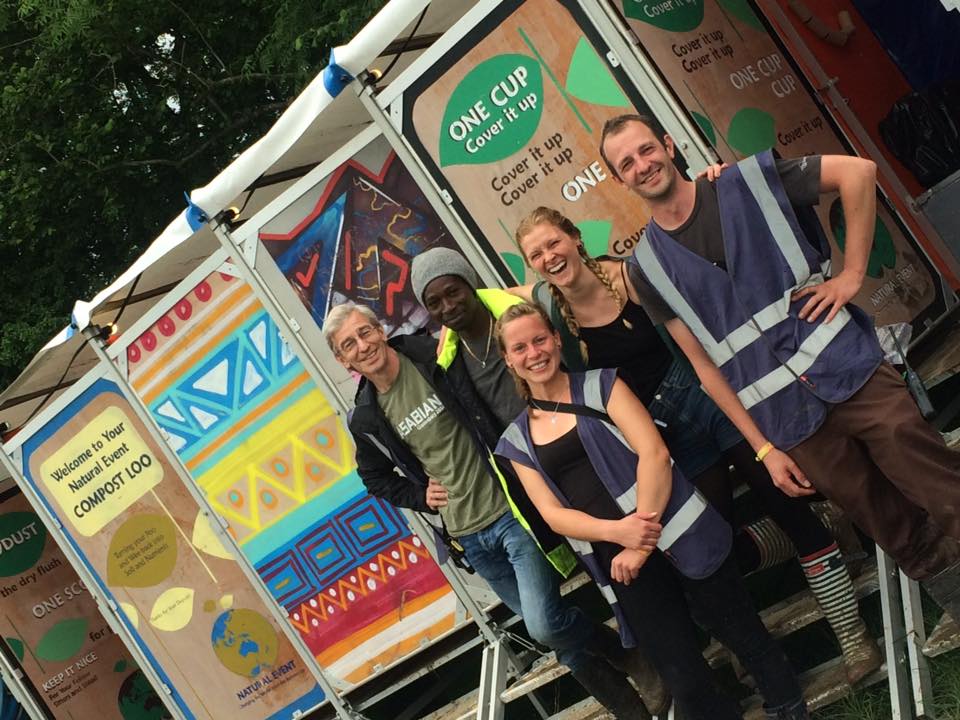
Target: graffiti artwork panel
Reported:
point(52, 625)
point(353, 235)
point(275, 460)
point(183, 597)
point(738, 86)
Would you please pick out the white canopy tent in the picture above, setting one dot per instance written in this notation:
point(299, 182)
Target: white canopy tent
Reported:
point(320, 120)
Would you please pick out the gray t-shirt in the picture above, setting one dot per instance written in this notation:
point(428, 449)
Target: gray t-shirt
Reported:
point(701, 232)
point(446, 451)
point(494, 385)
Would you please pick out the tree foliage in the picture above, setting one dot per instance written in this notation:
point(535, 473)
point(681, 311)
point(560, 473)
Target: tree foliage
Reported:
point(110, 109)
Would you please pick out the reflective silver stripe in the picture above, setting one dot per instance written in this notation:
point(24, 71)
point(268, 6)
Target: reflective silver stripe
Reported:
point(650, 264)
point(592, 397)
point(806, 355)
point(608, 594)
point(514, 436)
point(681, 522)
point(627, 502)
point(581, 547)
point(776, 221)
point(615, 431)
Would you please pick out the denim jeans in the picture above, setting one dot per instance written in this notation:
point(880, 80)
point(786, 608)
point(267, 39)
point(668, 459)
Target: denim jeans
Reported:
point(697, 432)
point(505, 555)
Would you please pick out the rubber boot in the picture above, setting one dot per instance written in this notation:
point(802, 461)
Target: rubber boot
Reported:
point(794, 711)
point(830, 582)
point(611, 689)
point(634, 662)
point(841, 527)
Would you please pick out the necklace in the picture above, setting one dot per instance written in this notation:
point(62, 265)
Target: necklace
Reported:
point(486, 352)
point(553, 417)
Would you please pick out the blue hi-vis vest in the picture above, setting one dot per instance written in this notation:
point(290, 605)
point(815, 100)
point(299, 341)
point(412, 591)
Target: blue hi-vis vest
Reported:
point(695, 537)
point(785, 371)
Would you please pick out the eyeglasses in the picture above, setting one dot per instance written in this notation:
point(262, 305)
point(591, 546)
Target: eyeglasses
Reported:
point(348, 346)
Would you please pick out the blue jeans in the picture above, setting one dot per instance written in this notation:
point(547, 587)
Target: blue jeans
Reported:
point(505, 555)
point(697, 432)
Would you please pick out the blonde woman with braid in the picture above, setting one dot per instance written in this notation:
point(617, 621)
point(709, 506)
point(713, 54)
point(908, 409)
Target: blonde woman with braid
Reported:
point(602, 324)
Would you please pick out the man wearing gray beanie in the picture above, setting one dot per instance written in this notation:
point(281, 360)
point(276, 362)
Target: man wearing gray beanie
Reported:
point(514, 566)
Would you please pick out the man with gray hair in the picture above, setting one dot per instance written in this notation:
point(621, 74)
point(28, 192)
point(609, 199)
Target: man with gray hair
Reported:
point(409, 417)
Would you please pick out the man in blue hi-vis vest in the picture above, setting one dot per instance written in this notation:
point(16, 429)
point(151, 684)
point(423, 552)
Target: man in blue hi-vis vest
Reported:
point(738, 271)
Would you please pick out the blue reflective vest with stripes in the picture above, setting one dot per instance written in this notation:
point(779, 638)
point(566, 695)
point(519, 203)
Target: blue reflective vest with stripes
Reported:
point(695, 537)
point(785, 371)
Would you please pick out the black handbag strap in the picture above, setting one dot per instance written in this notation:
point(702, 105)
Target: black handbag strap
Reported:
point(570, 408)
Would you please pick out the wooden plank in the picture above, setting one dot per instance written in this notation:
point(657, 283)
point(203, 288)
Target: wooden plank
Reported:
point(588, 709)
point(944, 638)
point(462, 708)
point(822, 686)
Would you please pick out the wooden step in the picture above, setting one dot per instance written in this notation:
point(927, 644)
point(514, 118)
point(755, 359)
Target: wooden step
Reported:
point(588, 709)
point(463, 708)
point(943, 638)
point(822, 686)
point(797, 612)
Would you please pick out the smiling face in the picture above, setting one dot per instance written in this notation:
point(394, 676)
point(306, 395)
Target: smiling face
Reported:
point(361, 346)
point(531, 349)
point(553, 253)
point(451, 302)
point(642, 161)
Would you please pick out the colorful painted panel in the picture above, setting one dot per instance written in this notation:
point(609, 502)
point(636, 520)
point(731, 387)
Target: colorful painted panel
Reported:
point(53, 627)
point(353, 235)
point(276, 462)
point(199, 622)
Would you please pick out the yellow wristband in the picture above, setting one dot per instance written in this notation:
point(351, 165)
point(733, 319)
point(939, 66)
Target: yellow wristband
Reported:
point(764, 451)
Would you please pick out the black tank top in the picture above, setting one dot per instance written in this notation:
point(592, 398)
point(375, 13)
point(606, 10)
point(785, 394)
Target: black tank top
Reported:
point(565, 461)
point(639, 353)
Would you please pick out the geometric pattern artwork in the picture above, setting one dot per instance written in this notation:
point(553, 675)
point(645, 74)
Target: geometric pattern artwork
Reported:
point(275, 461)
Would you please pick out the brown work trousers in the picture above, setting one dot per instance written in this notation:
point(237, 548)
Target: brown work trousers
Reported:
point(878, 459)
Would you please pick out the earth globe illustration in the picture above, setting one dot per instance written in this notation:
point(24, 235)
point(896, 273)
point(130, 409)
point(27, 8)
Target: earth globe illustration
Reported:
point(138, 701)
point(244, 641)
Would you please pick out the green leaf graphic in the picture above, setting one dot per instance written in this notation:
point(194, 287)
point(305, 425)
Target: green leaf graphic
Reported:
point(16, 644)
point(751, 130)
point(883, 254)
point(120, 666)
point(589, 79)
point(671, 16)
point(493, 112)
point(704, 122)
point(63, 640)
point(595, 235)
point(741, 10)
point(22, 537)
point(516, 265)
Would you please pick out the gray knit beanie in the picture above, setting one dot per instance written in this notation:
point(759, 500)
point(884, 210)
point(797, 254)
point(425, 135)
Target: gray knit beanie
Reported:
point(437, 262)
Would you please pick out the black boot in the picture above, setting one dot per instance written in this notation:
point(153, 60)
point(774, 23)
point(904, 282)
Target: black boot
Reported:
point(605, 643)
point(611, 689)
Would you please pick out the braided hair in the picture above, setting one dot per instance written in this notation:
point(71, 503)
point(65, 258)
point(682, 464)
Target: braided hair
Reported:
point(545, 215)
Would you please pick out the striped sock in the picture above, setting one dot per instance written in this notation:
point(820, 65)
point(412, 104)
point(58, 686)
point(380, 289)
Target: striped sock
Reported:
point(772, 543)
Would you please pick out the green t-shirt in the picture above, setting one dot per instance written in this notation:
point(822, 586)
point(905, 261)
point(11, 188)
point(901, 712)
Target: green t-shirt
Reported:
point(446, 451)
